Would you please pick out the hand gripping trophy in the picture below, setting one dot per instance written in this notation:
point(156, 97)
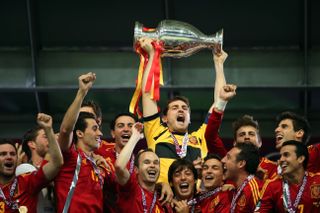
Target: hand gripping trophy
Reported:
point(171, 39)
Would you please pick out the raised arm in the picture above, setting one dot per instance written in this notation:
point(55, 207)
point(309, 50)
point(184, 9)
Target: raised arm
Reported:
point(149, 106)
point(220, 81)
point(71, 116)
point(122, 173)
point(222, 93)
point(50, 169)
point(213, 140)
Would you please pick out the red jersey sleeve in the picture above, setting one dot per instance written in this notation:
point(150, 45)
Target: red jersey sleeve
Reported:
point(214, 142)
point(35, 181)
point(267, 169)
point(314, 158)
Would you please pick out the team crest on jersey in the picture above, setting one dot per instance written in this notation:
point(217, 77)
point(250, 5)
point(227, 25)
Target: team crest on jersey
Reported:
point(193, 140)
point(315, 191)
point(2, 206)
point(84, 161)
point(242, 201)
point(157, 210)
point(214, 203)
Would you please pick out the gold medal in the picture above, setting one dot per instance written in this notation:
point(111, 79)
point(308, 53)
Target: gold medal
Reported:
point(23, 209)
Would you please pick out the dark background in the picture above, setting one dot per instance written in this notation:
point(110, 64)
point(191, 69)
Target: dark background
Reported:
point(273, 49)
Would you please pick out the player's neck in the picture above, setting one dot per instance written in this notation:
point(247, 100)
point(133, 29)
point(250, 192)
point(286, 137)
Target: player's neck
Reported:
point(117, 148)
point(179, 131)
point(295, 177)
point(211, 188)
point(241, 178)
point(177, 197)
point(84, 148)
point(36, 160)
point(6, 179)
point(146, 185)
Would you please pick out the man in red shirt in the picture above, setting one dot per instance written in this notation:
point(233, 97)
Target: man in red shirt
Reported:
point(79, 183)
point(137, 191)
point(35, 146)
point(240, 165)
point(291, 126)
point(213, 199)
point(120, 127)
point(121, 131)
point(246, 130)
point(183, 176)
point(295, 190)
point(21, 192)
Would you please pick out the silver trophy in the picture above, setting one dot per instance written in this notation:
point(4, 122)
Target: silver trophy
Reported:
point(180, 39)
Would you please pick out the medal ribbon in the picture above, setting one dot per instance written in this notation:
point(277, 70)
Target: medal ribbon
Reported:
point(144, 201)
point(12, 204)
point(286, 195)
point(182, 152)
point(95, 168)
point(239, 191)
point(203, 196)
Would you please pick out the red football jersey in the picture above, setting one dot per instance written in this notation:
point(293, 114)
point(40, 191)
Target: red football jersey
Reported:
point(107, 151)
point(26, 193)
point(87, 196)
point(272, 195)
point(249, 197)
point(314, 158)
point(267, 169)
point(219, 202)
point(130, 198)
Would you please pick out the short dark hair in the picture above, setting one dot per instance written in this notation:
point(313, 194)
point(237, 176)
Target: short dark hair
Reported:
point(137, 157)
point(211, 156)
point(250, 154)
point(301, 150)
point(96, 108)
point(176, 98)
point(245, 120)
point(299, 123)
point(113, 121)
point(4, 141)
point(30, 135)
point(181, 164)
point(81, 123)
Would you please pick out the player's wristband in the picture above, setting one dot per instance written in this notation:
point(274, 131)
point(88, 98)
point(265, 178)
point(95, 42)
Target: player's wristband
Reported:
point(220, 105)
